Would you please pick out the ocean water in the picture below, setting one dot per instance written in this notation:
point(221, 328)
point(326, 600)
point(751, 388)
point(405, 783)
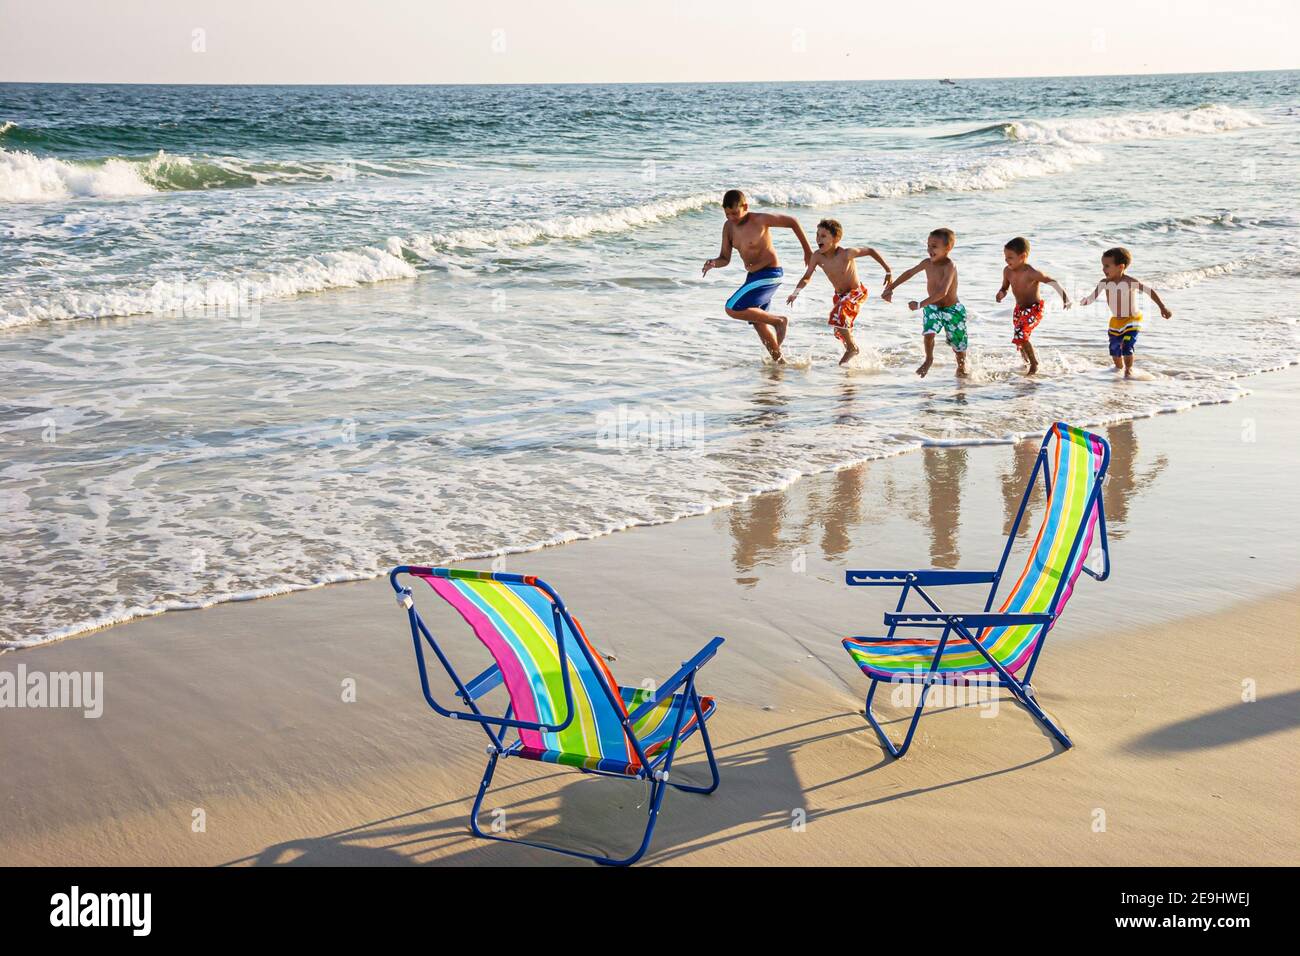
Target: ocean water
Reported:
point(255, 339)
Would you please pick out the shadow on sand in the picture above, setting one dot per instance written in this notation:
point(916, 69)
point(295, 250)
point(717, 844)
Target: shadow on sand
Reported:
point(759, 769)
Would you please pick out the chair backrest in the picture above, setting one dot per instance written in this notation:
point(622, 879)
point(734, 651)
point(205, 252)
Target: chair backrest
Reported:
point(520, 621)
point(1076, 463)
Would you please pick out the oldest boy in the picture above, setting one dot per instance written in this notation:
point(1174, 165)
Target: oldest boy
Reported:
point(748, 233)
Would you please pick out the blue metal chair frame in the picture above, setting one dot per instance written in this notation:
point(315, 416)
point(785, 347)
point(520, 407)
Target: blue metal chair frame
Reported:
point(965, 626)
point(654, 771)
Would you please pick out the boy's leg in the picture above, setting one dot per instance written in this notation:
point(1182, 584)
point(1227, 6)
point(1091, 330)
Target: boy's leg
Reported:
point(1027, 353)
point(1128, 365)
point(850, 347)
point(779, 323)
point(929, 355)
point(769, 340)
point(961, 363)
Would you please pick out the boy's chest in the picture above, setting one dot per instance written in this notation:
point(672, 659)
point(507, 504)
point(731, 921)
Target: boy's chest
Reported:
point(749, 237)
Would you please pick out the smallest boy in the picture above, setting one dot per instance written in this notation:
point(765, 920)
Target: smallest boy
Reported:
point(940, 307)
point(1121, 291)
point(1023, 280)
point(837, 262)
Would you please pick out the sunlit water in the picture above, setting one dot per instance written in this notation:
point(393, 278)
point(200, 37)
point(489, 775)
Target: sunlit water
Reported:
point(256, 339)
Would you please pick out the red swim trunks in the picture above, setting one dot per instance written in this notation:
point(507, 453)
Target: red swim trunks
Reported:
point(1025, 319)
point(844, 309)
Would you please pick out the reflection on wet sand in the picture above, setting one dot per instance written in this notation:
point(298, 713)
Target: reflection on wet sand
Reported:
point(1023, 455)
point(1123, 480)
point(757, 525)
point(945, 468)
point(772, 528)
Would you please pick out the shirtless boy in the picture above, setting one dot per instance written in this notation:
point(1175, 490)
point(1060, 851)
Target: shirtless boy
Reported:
point(1023, 280)
point(837, 262)
point(748, 233)
point(940, 307)
point(1121, 291)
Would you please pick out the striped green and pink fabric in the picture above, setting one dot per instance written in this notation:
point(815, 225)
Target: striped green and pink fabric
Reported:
point(516, 624)
point(1074, 460)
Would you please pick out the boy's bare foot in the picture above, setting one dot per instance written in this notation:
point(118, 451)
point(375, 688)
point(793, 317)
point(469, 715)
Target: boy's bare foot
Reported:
point(961, 372)
point(781, 329)
point(848, 354)
point(924, 367)
point(1033, 367)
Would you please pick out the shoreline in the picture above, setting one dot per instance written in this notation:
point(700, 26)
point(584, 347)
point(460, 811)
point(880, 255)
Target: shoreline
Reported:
point(137, 614)
point(238, 712)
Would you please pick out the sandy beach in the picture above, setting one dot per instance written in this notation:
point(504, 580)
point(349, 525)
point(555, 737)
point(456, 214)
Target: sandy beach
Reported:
point(238, 711)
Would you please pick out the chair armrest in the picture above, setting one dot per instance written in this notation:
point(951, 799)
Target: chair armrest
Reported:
point(669, 687)
point(977, 619)
point(934, 577)
point(483, 684)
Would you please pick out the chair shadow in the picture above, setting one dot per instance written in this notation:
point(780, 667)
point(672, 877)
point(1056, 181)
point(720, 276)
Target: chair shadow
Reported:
point(1228, 725)
point(762, 771)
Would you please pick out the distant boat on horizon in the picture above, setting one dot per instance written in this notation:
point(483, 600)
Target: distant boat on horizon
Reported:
point(948, 82)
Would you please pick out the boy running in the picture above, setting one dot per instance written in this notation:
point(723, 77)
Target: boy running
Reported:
point(1121, 292)
point(941, 310)
point(837, 262)
point(1023, 279)
point(748, 233)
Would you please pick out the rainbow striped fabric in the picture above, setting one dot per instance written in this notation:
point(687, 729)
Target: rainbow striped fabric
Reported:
point(517, 624)
point(1075, 457)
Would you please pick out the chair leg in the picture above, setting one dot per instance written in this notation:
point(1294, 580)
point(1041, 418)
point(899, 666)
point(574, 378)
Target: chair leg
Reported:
point(1025, 694)
point(895, 752)
point(708, 752)
point(656, 801)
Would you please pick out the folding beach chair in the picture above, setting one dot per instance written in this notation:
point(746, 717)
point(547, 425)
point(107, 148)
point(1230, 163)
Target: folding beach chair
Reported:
point(990, 648)
point(564, 703)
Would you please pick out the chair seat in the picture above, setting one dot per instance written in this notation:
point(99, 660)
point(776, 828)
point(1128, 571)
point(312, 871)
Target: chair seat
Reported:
point(885, 658)
point(653, 731)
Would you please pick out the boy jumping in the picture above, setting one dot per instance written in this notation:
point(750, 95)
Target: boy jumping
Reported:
point(1121, 293)
point(748, 233)
point(940, 307)
point(1023, 279)
point(837, 262)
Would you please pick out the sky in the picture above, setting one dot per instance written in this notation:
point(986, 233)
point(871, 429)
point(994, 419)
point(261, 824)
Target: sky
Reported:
point(610, 41)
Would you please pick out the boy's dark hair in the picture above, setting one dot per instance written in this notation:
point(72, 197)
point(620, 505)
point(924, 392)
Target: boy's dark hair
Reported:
point(734, 199)
point(833, 227)
point(1119, 255)
point(1018, 245)
point(946, 234)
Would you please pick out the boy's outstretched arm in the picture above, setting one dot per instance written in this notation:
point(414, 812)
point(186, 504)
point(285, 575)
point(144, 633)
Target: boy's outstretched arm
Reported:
point(1092, 296)
point(868, 251)
point(1065, 299)
point(1165, 312)
point(807, 276)
point(1006, 284)
point(888, 293)
point(724, 257)
point(789, 222)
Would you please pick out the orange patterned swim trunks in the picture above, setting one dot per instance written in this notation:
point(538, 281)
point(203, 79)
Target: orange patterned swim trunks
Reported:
point(844, 308)
point(1025, 318)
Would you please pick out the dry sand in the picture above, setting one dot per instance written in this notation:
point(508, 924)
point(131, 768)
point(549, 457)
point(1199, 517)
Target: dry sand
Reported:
point(238, 711)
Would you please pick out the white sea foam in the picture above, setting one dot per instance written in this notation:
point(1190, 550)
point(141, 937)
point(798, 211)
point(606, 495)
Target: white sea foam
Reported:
point(207, 296)
point(1208, 119)
point(25, 177)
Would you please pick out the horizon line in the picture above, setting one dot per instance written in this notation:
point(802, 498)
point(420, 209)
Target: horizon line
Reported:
point(934, 79)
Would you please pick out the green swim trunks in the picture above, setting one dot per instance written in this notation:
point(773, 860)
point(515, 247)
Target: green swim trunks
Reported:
point(951, 319)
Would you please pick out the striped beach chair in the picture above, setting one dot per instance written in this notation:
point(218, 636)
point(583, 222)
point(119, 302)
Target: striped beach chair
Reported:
point(565, 705)
point(997, 648)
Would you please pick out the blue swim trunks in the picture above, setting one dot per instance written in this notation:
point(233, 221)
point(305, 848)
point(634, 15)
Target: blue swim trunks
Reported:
point(758, 289)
